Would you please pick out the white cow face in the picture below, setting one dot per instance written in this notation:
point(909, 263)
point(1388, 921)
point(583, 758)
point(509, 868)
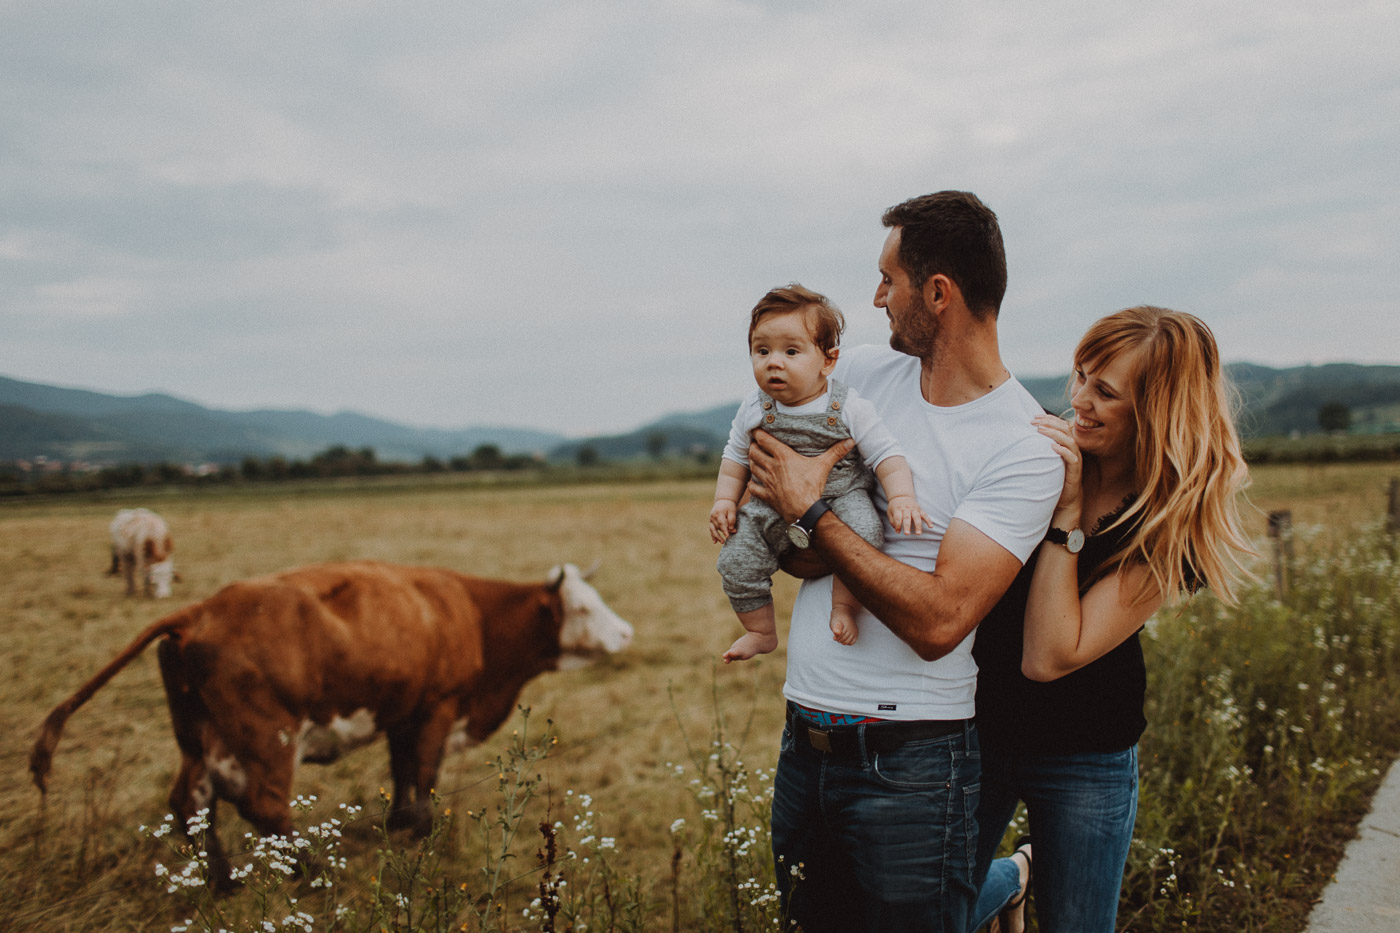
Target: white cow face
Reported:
point(161, 575)
point(590, 627)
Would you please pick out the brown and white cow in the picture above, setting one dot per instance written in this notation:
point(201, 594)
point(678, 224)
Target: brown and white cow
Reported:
point(344, 652)
point(142, 549)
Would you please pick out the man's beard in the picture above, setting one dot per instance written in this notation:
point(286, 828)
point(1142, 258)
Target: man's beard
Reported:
point(917, 331)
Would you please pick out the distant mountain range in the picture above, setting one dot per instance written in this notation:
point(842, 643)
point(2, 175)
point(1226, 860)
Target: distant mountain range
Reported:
point(77, 425)
point(1272, 401)
point(1286, 401)
point(74, 424)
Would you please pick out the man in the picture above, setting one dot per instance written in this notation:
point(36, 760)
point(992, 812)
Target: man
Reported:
point(873, 825)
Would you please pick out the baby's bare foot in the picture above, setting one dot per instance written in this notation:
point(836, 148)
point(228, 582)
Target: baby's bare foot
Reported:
point(750, 644)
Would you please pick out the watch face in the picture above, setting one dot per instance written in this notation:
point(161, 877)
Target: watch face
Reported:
point(1075, 541)
point(798, 536)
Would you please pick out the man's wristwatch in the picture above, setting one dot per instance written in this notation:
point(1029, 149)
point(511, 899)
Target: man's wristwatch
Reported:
point(800, 532)
point(1073, 541)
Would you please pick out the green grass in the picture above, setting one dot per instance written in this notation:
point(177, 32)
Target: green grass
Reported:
point(1271, 725)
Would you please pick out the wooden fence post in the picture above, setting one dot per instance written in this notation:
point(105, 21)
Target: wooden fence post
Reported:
point(1281, 531)
point(1392, 515)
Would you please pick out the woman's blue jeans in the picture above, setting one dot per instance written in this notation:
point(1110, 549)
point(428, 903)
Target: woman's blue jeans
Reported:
point(1081, 810)
point(881, 842)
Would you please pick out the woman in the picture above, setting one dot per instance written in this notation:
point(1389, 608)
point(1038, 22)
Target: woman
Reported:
point(1149, 511)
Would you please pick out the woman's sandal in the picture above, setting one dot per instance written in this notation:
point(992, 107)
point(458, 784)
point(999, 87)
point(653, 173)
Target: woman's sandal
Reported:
point(1012, 918)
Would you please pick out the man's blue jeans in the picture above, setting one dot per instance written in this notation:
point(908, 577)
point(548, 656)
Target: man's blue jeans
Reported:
point(879, 842)
point(1081, 809)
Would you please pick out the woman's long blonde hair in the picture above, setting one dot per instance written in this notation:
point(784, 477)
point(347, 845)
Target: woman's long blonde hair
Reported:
point(1189, 469)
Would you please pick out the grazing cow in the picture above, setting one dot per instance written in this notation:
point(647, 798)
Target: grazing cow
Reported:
point(141, 548)
point(260, 674)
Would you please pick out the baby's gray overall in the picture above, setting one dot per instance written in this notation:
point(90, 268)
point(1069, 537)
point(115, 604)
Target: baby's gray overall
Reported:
point(749, 558)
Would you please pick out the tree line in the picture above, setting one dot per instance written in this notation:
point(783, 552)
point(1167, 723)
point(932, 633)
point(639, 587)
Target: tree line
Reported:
point(336, 461)
point(343, 461)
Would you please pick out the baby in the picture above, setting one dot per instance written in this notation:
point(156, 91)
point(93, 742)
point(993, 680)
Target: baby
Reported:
point(793, 337)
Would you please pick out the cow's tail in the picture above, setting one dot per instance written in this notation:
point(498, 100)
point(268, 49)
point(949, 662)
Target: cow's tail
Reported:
point(41, 756)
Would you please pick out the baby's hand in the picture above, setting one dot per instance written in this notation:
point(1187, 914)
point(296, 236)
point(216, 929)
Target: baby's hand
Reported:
point(724, 520)
point(906, 516)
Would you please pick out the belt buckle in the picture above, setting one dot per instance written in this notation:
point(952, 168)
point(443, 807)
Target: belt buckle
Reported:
point(820, 739)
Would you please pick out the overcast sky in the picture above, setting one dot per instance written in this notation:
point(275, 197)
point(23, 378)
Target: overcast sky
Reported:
point(558, 215)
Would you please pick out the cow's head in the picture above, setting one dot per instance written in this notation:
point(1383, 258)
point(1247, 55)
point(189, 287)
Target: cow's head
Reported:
point(590, 628)
point(161, 575)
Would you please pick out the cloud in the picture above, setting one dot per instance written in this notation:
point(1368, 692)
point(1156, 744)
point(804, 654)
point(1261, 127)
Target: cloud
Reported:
point(445, 212)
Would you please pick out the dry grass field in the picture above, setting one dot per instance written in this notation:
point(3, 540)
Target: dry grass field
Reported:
point(1333, 498)
point(61, 619)
point(76, 862)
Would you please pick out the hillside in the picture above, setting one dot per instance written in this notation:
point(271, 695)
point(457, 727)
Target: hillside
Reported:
point(1273, 402)
point(1283, 401)
point(75, 424)
point(79, 425)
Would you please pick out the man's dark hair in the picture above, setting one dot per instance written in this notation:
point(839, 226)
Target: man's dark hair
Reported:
point(953, 233)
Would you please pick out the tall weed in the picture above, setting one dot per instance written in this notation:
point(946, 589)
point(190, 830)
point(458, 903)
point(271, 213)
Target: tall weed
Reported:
point(734, 888)
point(1270, 724)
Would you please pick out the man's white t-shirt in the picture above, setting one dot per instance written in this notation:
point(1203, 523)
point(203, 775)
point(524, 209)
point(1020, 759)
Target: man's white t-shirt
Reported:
point(983, 463)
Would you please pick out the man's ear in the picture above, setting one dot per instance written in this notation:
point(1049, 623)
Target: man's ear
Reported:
point(938, 292)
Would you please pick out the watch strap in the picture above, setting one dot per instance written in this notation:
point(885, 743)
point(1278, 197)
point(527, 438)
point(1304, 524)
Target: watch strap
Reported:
point(809, 519)
point(1072, 540)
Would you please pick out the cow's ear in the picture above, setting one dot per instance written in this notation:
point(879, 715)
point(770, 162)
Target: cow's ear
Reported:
point(556, 579)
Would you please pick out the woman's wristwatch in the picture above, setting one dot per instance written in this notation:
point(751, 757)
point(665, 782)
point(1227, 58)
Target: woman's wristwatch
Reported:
point(1072, 540)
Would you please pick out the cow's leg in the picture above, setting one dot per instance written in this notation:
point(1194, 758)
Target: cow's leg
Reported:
point(260, 790)
point(405, 811)
point(265, 792)
point(194, 788)
point(415, 754)
point(116, 567)
point(143, 568)
point(192, 792)
point(129, 571)
point(256, 761)
point(243, 757)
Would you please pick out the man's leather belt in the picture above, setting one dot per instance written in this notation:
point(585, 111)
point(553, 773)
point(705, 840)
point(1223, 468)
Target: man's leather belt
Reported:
point(880, 737)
